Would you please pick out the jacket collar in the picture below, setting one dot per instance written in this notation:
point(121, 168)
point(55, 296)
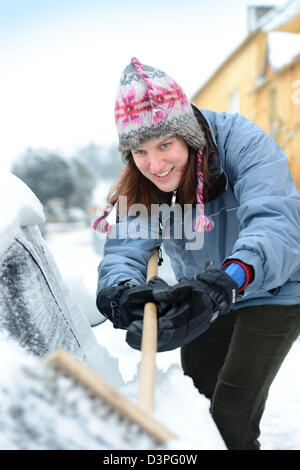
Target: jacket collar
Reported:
point(218, 179)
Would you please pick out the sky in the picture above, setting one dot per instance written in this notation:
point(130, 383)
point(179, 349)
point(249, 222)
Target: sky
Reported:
point(61, 61)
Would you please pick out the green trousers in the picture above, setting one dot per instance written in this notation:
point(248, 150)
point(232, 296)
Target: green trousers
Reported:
point(234, 364)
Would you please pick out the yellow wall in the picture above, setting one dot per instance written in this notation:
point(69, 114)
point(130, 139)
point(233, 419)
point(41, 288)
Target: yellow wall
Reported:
point(288, 84)
point(286, 119)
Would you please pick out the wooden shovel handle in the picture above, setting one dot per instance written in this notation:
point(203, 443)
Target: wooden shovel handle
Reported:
point(149, 345)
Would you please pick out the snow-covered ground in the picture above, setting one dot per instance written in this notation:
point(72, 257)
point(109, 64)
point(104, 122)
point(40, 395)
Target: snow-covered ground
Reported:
point(77, 261)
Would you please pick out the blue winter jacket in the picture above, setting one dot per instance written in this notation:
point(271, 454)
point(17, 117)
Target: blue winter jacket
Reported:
point(256, 219)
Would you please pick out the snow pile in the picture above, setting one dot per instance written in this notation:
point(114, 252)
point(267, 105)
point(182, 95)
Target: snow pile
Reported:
point(282, 48)
point(42, 410)
point(19, 207)
point(180, 407)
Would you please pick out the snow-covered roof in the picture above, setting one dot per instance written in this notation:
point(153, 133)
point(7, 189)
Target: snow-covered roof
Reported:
point(280, 16)
point(282, 48)
point(19, 207)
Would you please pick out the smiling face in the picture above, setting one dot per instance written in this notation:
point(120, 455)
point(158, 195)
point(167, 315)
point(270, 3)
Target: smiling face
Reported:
point(162, 161)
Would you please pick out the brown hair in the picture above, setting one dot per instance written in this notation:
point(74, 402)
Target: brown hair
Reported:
point(139, 189)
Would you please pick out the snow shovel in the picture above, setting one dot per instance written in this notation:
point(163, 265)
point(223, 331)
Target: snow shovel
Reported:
point(140, 414)
point(149, 345)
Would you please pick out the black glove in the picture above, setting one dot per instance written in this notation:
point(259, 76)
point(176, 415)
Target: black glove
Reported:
point(189, 308)
point(124, 304)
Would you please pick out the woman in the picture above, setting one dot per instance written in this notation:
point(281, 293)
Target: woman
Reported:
point(236, 321)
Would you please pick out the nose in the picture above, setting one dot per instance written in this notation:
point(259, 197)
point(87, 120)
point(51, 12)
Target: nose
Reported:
point(156, 163)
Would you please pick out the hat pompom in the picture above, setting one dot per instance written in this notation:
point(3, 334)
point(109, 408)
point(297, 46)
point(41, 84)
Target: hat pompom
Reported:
point(101, 224)
point(201, 222)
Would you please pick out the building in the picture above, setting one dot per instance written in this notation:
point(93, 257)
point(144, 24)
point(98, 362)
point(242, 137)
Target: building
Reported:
point(261, 78)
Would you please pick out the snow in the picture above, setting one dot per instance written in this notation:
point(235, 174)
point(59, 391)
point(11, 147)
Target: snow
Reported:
point(18, 207)
point(280, 16)
point(282, 48)
point(41, 410)
point(280, 424)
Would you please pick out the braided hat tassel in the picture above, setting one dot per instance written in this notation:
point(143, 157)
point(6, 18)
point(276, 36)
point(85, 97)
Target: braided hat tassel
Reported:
point(201, 222)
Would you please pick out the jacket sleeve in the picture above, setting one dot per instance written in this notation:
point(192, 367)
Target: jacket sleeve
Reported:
point(126, 253)
point(269, 205)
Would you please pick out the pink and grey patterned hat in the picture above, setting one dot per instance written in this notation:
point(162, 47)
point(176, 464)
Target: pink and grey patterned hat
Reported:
point(150, 104)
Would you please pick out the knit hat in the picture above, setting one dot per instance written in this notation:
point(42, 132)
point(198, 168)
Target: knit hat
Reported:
point(149, 105)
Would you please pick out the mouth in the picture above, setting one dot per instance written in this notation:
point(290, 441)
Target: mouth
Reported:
point(164, 175)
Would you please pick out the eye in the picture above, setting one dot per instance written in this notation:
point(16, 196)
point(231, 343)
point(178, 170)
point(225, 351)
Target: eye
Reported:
point(165, 145)
point(139, 153)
